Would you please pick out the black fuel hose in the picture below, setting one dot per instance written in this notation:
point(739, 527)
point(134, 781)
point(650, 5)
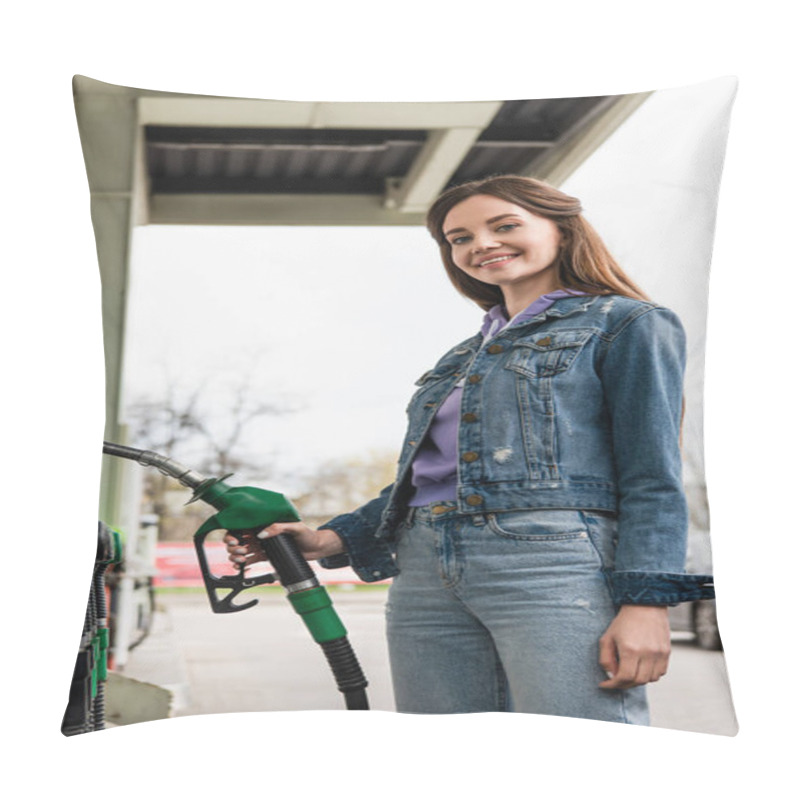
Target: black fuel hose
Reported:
point(301, 583)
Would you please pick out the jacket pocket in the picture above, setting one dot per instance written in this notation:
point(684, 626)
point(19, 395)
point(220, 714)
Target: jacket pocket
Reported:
point(447, 365)
point(427, 381)
point(452, 364)
point(432, 376)
point(547, 354)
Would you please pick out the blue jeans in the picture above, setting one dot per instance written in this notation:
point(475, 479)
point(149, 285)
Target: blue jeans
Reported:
point(503, 612)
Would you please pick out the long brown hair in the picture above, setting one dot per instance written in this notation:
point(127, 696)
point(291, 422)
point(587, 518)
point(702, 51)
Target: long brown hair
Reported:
point(584, 262)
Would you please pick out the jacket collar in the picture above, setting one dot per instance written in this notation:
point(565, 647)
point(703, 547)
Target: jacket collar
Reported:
point(497, 317)
point(564, 307)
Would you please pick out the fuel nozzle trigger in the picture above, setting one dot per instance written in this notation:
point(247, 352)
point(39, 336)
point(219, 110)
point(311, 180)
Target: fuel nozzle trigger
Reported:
point(233, 585)
point(243, 510)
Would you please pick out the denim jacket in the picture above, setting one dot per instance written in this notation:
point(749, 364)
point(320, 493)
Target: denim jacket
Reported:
point(578, 407)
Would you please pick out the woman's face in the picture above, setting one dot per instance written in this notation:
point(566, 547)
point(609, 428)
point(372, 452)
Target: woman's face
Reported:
point(503, 244)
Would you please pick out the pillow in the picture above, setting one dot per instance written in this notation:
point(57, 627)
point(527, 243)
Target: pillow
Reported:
point(270, 296)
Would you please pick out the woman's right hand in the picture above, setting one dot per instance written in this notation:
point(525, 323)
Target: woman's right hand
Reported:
point(313, 544)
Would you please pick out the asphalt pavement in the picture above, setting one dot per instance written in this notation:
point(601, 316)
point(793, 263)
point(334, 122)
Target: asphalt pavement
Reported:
point(263, 659)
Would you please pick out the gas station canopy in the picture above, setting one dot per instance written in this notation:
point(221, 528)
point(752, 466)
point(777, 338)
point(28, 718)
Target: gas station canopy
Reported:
point(217, 160)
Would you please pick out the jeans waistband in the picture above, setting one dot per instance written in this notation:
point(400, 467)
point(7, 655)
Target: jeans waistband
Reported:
point(431, 511)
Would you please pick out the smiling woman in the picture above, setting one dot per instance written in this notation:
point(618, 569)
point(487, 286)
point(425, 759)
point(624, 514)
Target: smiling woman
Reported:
point(536, 529)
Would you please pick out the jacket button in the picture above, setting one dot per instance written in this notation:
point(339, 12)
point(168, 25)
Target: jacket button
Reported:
point(440, 509)
point(469, 417)
point(470, 456)
point(474, 500)
point(494, 348)
point(546, 341)
point(474, 378)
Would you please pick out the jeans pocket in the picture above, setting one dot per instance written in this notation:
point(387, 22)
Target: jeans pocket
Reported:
point(544, 525)
point(602, 530)
point(400, 537)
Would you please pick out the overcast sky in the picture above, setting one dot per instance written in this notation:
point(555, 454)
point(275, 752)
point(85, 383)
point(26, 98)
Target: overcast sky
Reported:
point(339, 321)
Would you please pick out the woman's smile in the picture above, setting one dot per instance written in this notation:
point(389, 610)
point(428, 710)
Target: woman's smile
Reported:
point(495, 261)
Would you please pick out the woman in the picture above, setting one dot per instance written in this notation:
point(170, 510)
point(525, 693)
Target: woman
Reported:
point(536, 530)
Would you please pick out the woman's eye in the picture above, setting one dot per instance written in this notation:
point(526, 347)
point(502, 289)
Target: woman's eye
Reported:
point(508, 226)
point(459, 240)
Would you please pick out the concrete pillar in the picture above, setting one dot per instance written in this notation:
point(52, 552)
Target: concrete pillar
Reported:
point(107, 123)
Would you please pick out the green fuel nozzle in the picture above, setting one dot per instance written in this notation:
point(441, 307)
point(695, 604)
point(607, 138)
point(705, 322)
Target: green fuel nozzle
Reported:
point(242, 510)
point(245, 510)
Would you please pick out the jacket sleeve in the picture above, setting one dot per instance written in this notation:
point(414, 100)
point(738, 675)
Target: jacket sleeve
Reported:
point(370, 558)
point(642, 376)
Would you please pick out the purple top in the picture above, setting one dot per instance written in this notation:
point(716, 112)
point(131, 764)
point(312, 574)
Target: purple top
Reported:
point(434, 470)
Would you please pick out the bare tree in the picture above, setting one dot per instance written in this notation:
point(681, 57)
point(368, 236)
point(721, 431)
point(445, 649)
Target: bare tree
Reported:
point(223, 434)
point(164, 423)
point(208, 436)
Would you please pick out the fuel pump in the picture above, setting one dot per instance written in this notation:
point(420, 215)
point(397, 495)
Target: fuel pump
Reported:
point(248, 510)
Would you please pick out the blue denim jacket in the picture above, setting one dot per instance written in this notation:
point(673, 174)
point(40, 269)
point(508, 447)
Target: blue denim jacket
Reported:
point(578, 407)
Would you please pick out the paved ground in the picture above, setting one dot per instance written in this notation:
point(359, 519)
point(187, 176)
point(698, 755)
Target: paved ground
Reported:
point(263, 659)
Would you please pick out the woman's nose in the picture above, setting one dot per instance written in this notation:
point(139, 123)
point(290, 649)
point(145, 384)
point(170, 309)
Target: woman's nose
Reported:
point(483, 242)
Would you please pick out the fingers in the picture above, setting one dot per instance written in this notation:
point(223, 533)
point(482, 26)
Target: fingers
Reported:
point(246, 549)
point(309, 542)
point(608, 658)
point(635, 648)
point(282, 527)
point(632, 666)
point(244, 552)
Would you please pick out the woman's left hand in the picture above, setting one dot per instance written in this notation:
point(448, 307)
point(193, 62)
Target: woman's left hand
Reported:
point(635, 648)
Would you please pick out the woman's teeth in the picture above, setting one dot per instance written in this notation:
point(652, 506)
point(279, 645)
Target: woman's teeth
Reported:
point(495, 260)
